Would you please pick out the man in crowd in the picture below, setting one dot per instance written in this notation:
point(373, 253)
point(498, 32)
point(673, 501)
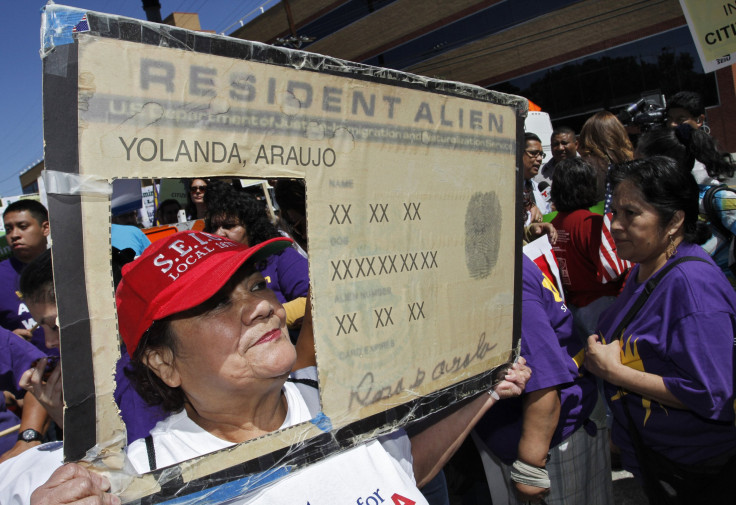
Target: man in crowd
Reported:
point(564, 145)
point(535, 205)
point(37, 286)
point(686, 107)
point(167, 212)
point(26, 229)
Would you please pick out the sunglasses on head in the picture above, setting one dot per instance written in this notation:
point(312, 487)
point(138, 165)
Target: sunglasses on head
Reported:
point(194, 189)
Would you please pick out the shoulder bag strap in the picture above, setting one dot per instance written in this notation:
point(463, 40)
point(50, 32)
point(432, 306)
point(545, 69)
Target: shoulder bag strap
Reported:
point(644, 296)
point(151, 453)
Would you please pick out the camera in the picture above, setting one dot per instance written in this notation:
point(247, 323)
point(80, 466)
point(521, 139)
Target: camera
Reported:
point(648, 113)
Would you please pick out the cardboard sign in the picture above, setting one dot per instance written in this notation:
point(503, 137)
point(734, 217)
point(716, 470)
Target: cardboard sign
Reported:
point(713, 27)
point(412, 207)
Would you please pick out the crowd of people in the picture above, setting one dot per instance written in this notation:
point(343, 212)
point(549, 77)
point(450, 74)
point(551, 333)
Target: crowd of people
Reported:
point(633, 357)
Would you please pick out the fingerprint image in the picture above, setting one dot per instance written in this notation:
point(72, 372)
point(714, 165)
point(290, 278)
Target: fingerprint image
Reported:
point(482, 234)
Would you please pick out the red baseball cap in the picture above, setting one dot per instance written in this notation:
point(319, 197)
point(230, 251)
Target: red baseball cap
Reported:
point(177, 273)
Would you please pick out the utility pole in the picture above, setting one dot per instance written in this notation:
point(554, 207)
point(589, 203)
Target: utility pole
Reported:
point(153, 10)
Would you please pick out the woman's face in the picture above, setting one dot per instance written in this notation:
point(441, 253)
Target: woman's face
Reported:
point(197, 189)
point(230, 228)
point(239, 342)
point(636, 228)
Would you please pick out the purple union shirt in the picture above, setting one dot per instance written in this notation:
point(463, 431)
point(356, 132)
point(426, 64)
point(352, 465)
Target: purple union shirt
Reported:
point(685, 334)
point(551, 350)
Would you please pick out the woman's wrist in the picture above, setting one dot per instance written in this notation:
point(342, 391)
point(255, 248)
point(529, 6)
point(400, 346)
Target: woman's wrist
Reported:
point(538, 461)
point(529, 475)
point(618, 374)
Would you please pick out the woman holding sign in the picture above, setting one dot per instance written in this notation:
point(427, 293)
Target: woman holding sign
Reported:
point(210, 345)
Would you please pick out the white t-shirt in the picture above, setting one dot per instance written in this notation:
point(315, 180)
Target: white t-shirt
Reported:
point(178, 438)
point(382, 466)
point(21, 475)
point(377, 471)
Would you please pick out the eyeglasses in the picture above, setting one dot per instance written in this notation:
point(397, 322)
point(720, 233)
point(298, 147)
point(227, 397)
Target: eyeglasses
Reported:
point(534, 154)
point(194, 189)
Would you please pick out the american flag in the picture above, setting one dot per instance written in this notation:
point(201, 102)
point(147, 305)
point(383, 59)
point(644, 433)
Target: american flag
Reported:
point(611, 266)
point(82, 26)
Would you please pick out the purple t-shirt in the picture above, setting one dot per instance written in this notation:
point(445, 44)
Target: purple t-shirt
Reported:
point(551, 350)
point(287, 274)
point(139, 417)
point(16, 357)
point(13, 312)
point(685, 334)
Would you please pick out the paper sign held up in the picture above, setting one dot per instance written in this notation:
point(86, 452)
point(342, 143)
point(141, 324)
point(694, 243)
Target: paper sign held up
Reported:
point(412, 217)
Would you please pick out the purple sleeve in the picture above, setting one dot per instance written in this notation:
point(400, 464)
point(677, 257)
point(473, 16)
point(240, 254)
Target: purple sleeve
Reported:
point(15, 359)
point(138, 416)
point(539, 346)
point(550, 364)
point(705, 364)
point(293, 274)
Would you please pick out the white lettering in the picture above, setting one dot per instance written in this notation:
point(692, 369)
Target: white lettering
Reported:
point(160, 261)
point(29, 324)
point(177, 246)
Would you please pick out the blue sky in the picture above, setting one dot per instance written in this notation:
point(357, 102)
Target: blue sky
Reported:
point(21, 132)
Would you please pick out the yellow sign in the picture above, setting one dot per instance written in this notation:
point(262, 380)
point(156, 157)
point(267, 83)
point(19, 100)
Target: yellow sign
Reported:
point(713, 27)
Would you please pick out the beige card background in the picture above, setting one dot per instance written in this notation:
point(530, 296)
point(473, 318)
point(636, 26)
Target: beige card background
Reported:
point(412, 254)
point(410, 201)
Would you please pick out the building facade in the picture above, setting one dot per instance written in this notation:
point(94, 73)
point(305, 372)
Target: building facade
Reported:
point(571, 57)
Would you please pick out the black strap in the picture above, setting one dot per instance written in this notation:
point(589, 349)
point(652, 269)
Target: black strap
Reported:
point(309, 389)
point(308, 382)
point(712, 212)
point(644, 296)
point(151, 453)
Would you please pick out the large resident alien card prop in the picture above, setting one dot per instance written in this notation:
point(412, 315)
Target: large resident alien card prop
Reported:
point(412, 216)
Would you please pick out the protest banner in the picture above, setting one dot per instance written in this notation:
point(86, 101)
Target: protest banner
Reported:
point(413, 219)
point(712, 24)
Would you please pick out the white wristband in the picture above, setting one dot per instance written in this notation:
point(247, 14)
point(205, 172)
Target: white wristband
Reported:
point(531, 475)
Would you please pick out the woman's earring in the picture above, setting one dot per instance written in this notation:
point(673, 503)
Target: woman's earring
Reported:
point(671, 249)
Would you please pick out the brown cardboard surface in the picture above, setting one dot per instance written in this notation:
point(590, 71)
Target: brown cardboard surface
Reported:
point(411, 203)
